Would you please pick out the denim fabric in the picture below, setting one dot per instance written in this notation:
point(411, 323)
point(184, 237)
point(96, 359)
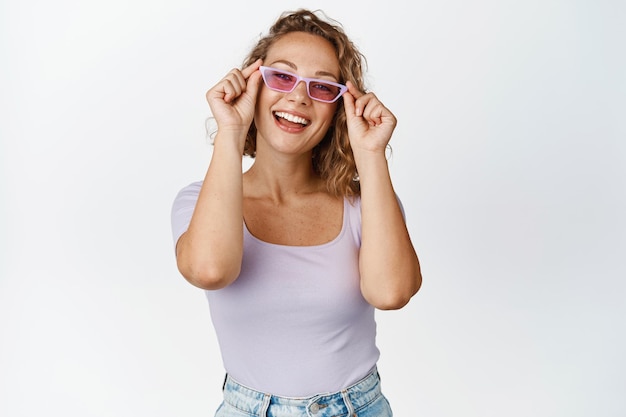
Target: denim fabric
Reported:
point(363, 399)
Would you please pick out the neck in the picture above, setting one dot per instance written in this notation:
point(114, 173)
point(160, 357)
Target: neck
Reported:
point(281, 178)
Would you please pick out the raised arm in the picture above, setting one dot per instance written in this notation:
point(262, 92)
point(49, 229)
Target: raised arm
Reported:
point(209, 253)
point(390, 270)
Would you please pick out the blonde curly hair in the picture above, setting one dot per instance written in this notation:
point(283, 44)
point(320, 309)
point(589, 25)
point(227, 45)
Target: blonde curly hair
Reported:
point(332, 157)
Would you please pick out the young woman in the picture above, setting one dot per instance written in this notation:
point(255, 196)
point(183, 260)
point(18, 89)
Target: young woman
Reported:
point(297, 252)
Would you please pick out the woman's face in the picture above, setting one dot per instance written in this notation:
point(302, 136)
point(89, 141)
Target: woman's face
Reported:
point(293, 123)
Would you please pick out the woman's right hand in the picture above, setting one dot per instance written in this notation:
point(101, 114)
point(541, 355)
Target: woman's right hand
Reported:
point(232, 100)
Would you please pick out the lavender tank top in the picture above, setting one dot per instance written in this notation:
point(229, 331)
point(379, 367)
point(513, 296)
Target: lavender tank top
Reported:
point(294, 323)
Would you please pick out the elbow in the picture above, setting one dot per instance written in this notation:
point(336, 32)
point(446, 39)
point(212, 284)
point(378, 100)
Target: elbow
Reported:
point(208, 269)
point(391, 301)
point(208, 276)
point(394, 298)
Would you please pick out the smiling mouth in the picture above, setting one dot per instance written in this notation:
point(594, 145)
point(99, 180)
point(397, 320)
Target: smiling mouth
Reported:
point(287, 118)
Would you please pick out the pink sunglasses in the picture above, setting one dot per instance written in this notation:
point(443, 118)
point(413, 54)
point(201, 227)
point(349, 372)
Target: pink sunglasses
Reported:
point(286, 82)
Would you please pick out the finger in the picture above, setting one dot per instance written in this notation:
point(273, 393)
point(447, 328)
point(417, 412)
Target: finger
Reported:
point(373, 112)
point(250, 69)
point(357, 108)
point(232, 88)
point(356, 93)
point(366, 104)
point(348, 104)
point(236, 81)
point(236, 77)
point(224, 90)
point(253, 84)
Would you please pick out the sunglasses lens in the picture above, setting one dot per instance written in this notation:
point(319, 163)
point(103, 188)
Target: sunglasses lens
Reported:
point(279, 80)
point(323, 91)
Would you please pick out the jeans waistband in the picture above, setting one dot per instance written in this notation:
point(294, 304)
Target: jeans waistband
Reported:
point(344, 402)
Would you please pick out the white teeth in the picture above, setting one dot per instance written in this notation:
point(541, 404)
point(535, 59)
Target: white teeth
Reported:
point(292, 118)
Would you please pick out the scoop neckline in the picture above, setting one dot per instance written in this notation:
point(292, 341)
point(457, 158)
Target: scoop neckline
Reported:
point(331, 242)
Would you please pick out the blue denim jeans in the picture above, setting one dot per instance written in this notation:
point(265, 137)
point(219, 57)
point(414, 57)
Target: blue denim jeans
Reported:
point(363, 399)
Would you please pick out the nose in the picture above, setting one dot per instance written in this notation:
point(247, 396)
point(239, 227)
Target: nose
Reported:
point(299, 93)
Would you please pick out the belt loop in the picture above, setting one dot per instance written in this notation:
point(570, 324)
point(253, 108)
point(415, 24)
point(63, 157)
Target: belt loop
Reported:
point(265, 405)
point(346, 400)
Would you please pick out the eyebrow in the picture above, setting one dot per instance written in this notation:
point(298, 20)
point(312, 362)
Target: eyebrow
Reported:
point(295, 68)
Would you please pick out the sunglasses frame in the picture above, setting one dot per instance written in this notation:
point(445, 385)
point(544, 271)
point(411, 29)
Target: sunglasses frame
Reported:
point(307, 81)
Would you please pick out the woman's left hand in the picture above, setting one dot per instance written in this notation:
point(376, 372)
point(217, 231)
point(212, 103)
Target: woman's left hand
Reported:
point(370, 123)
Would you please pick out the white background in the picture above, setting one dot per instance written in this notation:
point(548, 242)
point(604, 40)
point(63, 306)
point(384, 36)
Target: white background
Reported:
point(509, 157)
